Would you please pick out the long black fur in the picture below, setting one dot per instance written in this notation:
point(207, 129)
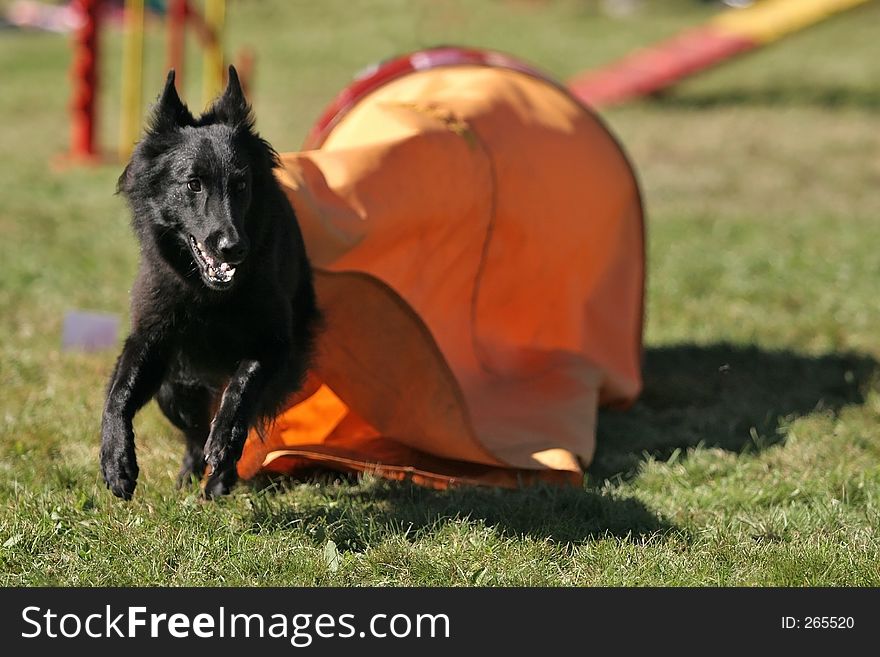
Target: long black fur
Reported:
point(220, 357)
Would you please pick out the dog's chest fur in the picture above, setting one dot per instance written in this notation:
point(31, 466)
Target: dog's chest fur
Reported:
point(212, 340)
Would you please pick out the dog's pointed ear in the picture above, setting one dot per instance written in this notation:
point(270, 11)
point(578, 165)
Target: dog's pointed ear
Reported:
point(122, 185)
point(170, 112)
point(232, 107)
point(233, 87)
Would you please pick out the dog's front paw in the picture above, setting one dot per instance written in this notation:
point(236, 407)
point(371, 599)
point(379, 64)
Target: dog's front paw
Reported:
point(223, 449)
point(220, 483)
point(119, 464)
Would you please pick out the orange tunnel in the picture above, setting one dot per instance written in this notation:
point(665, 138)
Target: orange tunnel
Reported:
point(477, 236)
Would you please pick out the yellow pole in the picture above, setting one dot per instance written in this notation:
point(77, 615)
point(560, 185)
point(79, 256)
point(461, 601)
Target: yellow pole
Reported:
point(212, 63)
point(132, 77)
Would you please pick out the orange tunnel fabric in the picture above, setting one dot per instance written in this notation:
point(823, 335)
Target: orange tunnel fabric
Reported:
point(477, 236)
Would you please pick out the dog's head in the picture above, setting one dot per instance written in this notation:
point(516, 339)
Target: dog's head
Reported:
point(191, 184)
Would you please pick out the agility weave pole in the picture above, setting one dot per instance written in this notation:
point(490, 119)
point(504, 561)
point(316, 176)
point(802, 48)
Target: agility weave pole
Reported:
point(84, 74)
point(132, 77)
point(85, 68)
point(732, 33)
point(212, 58)
point(177, 10)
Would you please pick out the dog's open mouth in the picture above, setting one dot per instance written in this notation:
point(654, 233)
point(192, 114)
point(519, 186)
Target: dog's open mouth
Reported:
point(216, 274)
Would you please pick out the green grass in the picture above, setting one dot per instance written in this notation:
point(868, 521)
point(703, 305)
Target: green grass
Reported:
point(752, 457)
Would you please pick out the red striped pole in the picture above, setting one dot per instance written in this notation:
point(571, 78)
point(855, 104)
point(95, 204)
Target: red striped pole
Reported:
point(177, 12)
point(84, 72)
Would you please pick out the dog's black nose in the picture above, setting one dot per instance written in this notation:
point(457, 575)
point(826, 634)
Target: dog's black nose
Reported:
point(232, 251)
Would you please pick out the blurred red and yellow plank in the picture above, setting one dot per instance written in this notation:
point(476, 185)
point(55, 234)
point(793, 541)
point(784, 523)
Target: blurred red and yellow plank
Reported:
point(733, 32)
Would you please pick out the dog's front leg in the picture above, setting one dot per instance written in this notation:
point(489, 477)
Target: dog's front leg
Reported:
point(135, 380)
point(238, 411)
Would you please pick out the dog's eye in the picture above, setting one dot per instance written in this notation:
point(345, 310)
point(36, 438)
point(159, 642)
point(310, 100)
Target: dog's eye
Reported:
point(241, 185)
point(194, 185)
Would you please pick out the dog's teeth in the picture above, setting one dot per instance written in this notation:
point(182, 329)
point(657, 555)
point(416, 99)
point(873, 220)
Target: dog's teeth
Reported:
point(224, 266)
point(225, 275)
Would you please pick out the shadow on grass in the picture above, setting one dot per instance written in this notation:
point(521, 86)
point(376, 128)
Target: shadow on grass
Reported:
point(780, 96)
point(360, 513)
point(735, 398)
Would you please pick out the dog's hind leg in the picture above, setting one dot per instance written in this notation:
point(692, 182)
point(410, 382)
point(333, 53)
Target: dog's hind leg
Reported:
point(188, 406)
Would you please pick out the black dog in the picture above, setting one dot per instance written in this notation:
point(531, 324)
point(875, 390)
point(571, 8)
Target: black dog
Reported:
point(223, 308)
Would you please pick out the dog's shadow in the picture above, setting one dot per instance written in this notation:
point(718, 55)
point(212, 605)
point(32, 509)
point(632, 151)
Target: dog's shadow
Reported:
point(363, 512)
point(734, 398)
